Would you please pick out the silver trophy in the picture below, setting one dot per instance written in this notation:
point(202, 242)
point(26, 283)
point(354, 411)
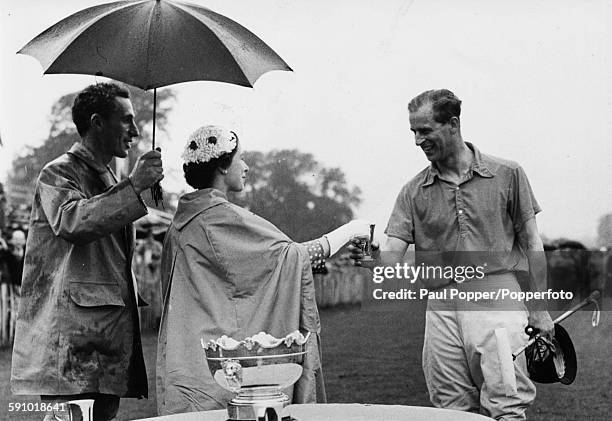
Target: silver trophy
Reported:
point(257, 369)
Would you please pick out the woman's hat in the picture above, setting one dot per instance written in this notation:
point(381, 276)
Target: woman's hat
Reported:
point(207, 143)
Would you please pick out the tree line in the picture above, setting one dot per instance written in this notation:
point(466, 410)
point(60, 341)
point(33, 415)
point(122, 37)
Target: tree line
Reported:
point(290, 188)
point(287, 187)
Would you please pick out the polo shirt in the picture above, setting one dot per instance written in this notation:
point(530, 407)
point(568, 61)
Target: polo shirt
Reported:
point(480, 216)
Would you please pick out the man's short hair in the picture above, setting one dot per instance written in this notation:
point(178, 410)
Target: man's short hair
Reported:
point(98, 98)
point(444, 104)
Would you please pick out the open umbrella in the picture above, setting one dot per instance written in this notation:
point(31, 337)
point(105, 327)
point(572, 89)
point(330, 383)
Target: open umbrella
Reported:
point(154, 43)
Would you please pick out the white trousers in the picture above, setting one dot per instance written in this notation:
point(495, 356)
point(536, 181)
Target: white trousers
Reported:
point(462, 360)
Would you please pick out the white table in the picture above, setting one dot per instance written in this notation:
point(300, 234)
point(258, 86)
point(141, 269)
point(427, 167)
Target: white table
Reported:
point(341, 412)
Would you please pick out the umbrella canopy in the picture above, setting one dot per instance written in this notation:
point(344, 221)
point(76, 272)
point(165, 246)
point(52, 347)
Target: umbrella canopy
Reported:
point(154, 43)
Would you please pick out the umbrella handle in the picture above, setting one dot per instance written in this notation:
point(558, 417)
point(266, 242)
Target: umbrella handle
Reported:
point(156, 191)
point(154, 114)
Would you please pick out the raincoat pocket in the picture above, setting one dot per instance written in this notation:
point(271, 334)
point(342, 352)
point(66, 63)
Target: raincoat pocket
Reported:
point(86, 294)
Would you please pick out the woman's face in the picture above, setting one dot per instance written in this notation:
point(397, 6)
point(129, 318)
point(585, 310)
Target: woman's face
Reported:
point(236, 172)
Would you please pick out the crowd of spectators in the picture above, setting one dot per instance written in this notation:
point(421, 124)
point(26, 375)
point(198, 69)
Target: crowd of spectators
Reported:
point(12, 249)
point(147, 259)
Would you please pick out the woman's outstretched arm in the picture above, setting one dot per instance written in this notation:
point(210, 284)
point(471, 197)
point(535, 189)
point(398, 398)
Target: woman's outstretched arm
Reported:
point(330, 243)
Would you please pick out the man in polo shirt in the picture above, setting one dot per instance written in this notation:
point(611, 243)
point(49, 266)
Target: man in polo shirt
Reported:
point(467, 202)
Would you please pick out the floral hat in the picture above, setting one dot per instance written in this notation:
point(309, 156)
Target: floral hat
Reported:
point(207, 143)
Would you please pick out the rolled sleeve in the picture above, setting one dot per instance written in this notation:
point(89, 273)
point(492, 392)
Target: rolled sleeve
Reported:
point(401, 222)
point(522, 204)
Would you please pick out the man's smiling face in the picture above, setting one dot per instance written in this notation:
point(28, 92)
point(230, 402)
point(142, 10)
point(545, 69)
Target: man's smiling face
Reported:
point(119, 129)
point(434, 138)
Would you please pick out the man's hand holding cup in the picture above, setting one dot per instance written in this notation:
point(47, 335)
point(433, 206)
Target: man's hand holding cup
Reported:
point(363, 251)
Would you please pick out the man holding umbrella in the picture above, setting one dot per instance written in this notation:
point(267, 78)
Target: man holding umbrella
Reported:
point(78, 331)
point(77, 334)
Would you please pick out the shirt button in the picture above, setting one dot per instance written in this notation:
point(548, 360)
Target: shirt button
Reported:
point(460, 211)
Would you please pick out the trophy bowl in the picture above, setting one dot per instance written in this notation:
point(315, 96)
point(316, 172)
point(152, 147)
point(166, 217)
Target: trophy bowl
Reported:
point(257, 368)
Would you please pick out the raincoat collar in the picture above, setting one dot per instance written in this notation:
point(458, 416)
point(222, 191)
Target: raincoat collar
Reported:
point(478, 166)
point(85, 154)
point(106, 173)
point(192, 204)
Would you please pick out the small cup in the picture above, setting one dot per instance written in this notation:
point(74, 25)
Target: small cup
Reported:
point(365, 243)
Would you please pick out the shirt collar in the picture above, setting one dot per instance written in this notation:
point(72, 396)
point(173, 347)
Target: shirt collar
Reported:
point(478, 166)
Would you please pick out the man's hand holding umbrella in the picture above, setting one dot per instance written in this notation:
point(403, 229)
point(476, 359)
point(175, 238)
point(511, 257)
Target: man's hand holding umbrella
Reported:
point(147, 171)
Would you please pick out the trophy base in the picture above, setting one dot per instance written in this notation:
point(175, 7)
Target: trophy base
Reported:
point(266, 418)
point(287, 418)
point(259, 403)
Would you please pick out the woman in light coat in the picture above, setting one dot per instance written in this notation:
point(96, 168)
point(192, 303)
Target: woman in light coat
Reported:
point(226, 271)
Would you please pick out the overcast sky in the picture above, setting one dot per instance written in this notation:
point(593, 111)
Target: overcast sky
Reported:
point(534, 77)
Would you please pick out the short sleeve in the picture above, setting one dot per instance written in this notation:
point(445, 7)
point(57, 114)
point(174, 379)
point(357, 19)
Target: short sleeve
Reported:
point(401, 222)
point(522, 204)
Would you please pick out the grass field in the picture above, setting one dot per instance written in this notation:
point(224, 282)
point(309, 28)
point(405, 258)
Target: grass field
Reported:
point(375, 357)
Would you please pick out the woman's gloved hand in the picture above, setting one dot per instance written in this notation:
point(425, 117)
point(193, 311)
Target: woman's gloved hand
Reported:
point(342, 235)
